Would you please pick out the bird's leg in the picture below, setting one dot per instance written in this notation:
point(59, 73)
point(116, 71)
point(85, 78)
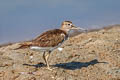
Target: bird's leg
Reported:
point(46, 57)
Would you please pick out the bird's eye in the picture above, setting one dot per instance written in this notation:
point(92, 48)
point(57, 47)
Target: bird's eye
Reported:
point(69, 24)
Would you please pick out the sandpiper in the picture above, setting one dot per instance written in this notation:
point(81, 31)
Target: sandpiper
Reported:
point(51, 39)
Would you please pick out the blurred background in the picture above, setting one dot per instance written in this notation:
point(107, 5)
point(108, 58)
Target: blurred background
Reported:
point(25, 19)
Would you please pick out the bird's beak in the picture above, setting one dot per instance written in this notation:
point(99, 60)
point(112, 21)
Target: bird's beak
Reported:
point(74, 27)
point(78, 28)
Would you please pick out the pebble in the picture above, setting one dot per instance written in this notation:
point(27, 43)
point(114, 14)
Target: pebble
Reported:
point(60, 49)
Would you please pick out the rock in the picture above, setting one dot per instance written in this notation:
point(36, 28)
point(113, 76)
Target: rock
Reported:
point(91, 56)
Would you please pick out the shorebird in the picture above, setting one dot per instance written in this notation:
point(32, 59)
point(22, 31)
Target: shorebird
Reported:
point(51, 39)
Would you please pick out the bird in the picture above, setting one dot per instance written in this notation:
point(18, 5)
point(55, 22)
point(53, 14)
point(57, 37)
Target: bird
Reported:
point(51, 40)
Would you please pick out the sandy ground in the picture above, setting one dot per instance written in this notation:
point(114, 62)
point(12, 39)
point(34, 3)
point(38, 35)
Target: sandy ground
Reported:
point(89, 56)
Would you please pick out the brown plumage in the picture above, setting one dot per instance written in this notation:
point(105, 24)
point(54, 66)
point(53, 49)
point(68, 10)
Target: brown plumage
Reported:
point(50, 38)
point(24, 45)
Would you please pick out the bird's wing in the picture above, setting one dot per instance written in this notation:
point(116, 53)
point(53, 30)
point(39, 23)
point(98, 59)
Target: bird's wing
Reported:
point(50, 38)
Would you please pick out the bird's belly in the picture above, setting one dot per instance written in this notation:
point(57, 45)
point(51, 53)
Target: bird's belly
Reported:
point(37, 48)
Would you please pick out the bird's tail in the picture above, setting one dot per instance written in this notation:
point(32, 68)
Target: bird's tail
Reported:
point(24, 45)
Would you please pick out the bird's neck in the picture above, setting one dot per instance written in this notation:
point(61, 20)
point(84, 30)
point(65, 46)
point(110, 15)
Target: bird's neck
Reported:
point(63, 28)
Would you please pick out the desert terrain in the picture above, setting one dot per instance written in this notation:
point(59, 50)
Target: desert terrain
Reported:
point(94, 55)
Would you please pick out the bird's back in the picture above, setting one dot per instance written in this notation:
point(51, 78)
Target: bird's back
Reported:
point(50, 38)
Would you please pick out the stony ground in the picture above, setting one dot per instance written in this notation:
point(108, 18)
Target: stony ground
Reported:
point(89, 56)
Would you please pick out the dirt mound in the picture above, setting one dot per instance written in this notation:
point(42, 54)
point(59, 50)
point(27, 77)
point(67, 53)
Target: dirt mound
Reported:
point(89, 56)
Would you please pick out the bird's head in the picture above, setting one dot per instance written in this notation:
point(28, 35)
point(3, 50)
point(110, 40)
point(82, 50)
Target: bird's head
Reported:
point(67, 26)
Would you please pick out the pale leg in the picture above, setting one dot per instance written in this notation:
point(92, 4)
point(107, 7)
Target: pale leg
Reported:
point(46, 57)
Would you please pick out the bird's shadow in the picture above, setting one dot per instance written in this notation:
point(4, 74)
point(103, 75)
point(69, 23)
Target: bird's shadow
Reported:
point(70, 65)
point(77, 65)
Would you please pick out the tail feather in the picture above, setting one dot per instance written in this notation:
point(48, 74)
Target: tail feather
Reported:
point(24, 45)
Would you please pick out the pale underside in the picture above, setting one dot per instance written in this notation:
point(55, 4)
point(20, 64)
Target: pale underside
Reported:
point(37, 48)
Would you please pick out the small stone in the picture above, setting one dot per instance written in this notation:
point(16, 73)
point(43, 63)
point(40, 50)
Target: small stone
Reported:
point(31, 57)
point(60, 49)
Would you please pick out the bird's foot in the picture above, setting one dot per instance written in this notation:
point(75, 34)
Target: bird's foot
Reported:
point(49, 68)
